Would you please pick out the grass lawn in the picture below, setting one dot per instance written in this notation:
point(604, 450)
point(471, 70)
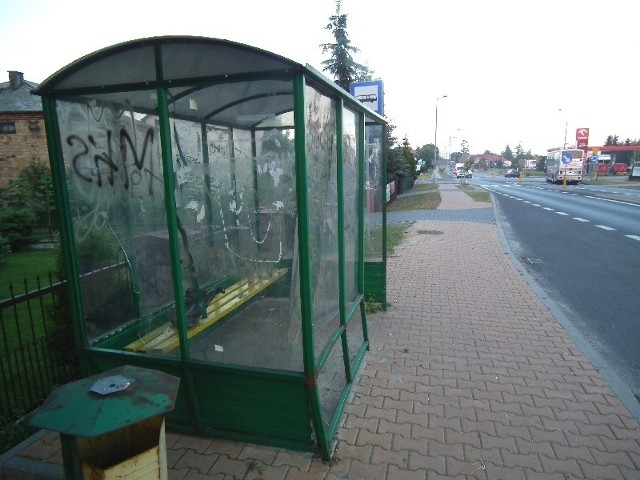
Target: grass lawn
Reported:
point(28, 265)
point(422, 201)
point(420, 187)
point(395, 234)
point(476, 196)
point(479, 196)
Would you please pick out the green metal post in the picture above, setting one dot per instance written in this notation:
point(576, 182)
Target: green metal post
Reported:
point(65, 222)
point(172, 219)
point(341, 236)
point(306, 300)
point(71, 464)
point(207, 183)
point(256, 194)
point(361, 206)
point(384, 180)
point(174, 249)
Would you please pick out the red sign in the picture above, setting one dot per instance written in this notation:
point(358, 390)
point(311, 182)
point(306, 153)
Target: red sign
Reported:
point(582, 138)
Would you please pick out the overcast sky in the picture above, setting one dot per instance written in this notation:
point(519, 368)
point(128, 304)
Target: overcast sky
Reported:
point(513, 71)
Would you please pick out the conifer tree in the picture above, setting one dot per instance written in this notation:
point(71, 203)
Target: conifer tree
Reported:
point(341, 63)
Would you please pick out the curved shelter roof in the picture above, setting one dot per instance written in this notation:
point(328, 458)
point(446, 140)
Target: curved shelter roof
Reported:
point(219, 76)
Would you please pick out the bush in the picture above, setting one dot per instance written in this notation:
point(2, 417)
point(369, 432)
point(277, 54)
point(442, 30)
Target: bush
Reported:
point(5, 248)
point(16, 227)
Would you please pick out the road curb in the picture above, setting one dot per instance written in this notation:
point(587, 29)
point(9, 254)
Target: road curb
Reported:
point(624, 394)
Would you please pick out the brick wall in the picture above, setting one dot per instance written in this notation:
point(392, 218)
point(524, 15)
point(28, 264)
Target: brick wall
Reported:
point(28, 144)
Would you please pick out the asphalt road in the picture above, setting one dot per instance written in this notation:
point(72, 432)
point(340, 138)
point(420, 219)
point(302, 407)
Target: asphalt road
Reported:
point(582, 246)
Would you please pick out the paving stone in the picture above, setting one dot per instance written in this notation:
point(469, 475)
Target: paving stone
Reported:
point(454, 387)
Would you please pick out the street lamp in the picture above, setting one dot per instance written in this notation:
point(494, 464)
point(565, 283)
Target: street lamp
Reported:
point(451, 137)
point(564, 145)
point(435, 139)
point(566, 123)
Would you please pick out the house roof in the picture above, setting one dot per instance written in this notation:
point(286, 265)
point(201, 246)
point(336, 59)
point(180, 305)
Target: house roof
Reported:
point(19, 98)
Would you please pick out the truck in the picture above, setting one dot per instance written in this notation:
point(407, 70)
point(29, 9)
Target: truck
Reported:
point(460, 172)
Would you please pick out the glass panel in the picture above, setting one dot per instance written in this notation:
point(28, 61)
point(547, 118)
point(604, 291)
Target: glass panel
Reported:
point(323, 242)
point(355, 337)
point(236, 201)
point(205, 57)
point(350, 190)
point(332, 380)
point(112, 157)
point(241, 104)
point(135, 64)
point(374, 193)
point(323, 214)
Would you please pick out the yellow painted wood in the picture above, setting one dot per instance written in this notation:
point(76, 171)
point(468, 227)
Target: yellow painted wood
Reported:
point(165, 338)
point(137, 452)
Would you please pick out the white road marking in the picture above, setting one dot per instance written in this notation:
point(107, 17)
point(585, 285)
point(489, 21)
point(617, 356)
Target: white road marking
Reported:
point(604, 227)
point(613, 201)
point(581, 219)
point(562, 213)
point(633, 237)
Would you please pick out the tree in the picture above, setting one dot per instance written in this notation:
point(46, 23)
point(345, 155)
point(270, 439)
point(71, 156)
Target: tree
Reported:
point(612, 140)
point(341, 63)
point(27, 202)
point(508, 154)
point(33, 189)
point(408, 158)
point(464, 147)
point(395, 161)
point(426, 153)
point(519, 154)
point(16, 228)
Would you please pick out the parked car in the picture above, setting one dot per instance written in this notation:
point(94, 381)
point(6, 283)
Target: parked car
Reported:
point(469, 174)
point(512, 172)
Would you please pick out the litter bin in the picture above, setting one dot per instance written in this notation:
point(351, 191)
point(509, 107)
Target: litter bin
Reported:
point(111, 425)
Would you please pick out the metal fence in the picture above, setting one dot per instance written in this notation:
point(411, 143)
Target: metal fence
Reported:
point(34, 328)
point(47, 234)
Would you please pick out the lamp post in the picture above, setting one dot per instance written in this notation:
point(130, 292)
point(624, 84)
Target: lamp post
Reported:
point(566, 123)
point(435, 139)
point(564, 144)
point(452, 137)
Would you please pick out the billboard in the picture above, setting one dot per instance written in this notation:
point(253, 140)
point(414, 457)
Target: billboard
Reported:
point(582, 138)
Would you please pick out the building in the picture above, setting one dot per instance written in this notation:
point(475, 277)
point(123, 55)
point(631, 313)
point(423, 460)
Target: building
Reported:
point(22, 134)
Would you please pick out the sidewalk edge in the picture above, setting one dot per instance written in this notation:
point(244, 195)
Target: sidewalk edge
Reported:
point(619, 388)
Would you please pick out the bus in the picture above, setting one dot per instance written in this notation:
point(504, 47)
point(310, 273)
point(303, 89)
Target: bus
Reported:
point(565, 164)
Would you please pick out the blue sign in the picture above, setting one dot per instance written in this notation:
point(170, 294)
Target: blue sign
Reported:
point(594, 158)
point(566, 158)
point(369, 93)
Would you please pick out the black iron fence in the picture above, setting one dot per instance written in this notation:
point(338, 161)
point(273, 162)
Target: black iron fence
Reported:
point(46, 234)
point(33, 357)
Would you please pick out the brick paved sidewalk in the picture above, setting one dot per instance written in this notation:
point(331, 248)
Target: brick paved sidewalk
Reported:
point(469, 377)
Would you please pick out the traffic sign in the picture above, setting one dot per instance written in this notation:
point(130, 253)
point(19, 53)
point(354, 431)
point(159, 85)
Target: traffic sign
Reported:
point(594, 158)
point(369, 93)
point(566, 158)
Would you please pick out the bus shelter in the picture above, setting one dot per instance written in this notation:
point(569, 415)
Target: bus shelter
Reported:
point(218, 205)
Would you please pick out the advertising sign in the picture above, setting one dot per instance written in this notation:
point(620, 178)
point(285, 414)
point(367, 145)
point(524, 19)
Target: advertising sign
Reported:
point(582, 138)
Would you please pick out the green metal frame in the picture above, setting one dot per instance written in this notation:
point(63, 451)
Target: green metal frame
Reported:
point(201, 380)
